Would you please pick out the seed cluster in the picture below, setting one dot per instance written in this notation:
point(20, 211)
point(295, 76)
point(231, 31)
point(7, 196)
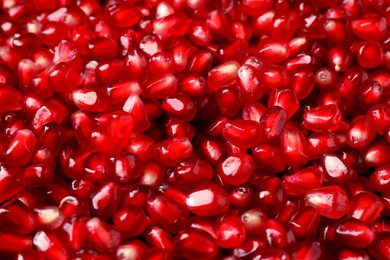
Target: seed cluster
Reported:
point(195, 129)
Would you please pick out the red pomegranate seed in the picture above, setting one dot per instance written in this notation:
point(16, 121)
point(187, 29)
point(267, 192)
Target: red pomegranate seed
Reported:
point(327, 117)
point(241, 197)
point(195, 243)
point(355, 233)
point(17, 217)
point(242, 133)
point(360, 133)
point(270, 196)
point(365, 207)
point(303, 181)
point(224, 74)
point(102, 236)
point(106, 199)
point(281, 237)
point(158, 208)
point(192, 172)
point(208, 199)
point(336, 171)
point(236, 169)
point(369, 28)
point(294, 146)
point(230, 232)
point(159, 86)
point(11, 182)
point(268, 157)
point(370, 55)
point(331, 201)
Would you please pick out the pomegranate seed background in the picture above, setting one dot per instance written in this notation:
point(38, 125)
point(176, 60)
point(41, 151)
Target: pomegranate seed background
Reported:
point(195, 129)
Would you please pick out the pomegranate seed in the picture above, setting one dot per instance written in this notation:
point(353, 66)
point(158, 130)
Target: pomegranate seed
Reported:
point(355, 233)
point(192, 172)
point(102, 236)
point(133, 249)
point(236, 169)
point(208, 199)
point(158, 207)
point(195, 243)
point(294, 146)
point(160, 86)
point(365, 207)
point(224, 74)
point(230, 232)
point(105, 200)
point(11, 182)
point(327, 117)
point(370, 55)
point(268, 157)
point(243, 133)
point(361, 132)
point(369, 28)
point(241, 197)
point(303, 181)
point(281, 237)
point(331, 201)
point(17, 217)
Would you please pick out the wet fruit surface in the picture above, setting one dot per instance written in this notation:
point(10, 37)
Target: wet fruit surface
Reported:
point(195, 129)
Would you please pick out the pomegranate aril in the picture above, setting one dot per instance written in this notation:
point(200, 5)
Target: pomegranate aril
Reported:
point(352, 232)
point(17, 217)
point(102, 47)
point(159, 86)
point(19, 150)
point(369, 27)
point(242, 133)
point(130, 220)
point(360, 133)
point(12, 181)
point(50, 245)
point(192, 172)
point(236, 169)
point(273, 120)
point(270, 196)
point(380, 179)
point(241, 197)
point(105, 200)
point(303, 181)
point(133, 249)
point(158, 208)
point(336, 171)
point(294, 146)
point(171, 151)
point(195, 243)
point(230, 232)
point(208, 199)
point(366, 207)
point(326, 117)
point(330, 201)
point(102, 236)
point(350, 83)
point(285, 98)
point(281, 237)
point(370, 55)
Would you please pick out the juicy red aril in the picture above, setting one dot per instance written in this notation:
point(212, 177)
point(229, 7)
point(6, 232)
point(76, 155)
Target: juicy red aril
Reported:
point(355, 233)
point(208, 199)
point(330, 201)
point(236, 169)
point(327, 117)
point(242, 133)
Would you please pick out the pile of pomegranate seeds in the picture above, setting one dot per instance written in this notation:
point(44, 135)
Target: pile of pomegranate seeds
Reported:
point(195, 129)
